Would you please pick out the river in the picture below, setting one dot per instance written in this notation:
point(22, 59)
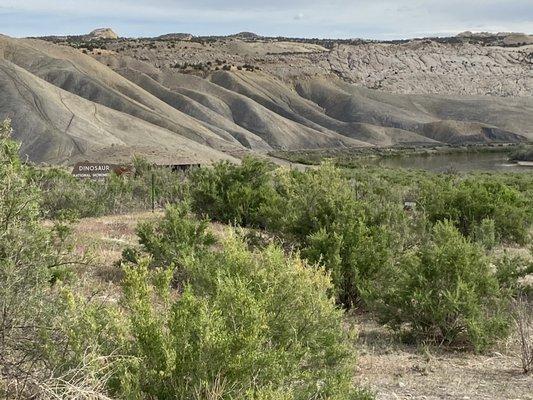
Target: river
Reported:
point(461, 162)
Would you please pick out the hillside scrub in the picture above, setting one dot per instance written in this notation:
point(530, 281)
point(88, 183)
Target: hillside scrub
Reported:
point(233, 319)
point(340, 225)
point(175, 237)
point(194, 321)
point(224, 321)
point(34, 259)
point(443, 292)
point(353, 223)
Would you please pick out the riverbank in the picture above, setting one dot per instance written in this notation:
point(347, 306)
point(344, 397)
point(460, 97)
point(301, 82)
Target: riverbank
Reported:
point(522, 154)
point(351, 156)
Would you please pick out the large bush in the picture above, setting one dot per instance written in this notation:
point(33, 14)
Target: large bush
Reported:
point(173, 238)
point(320, 210)
point(468, 202)
point(241, 324)
point(232, 193)
point(306, 202)
point(443, 292)
point(33, 258)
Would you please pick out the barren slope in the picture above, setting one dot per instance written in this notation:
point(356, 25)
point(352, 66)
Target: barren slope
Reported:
point(67, 105)
point(443, 118)
point(447, 66)
point(57, 126)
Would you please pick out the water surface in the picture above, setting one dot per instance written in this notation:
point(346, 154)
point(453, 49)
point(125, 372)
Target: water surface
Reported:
point(461, 162)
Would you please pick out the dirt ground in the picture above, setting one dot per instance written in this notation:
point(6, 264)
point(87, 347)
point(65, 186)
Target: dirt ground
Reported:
point(389, 368)
point(397, 371)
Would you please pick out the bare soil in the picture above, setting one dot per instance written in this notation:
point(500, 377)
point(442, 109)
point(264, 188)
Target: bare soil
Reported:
point(397, 371)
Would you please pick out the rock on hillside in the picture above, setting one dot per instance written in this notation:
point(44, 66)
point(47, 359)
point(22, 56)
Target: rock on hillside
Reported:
point(437, 68)
point(103, 33)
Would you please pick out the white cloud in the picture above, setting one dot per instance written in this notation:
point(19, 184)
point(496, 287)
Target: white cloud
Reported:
point(322, 18)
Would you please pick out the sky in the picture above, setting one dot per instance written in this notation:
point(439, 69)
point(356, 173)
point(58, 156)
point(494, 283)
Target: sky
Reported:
point(369, 19)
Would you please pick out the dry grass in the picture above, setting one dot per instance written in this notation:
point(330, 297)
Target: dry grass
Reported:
point(86, 382)
point(523, 319)
point(397, 371)
point(102, 241)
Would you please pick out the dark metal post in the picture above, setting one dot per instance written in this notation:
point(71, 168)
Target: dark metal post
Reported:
point(153, 192)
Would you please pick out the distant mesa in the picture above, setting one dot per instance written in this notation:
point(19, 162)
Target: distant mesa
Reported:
point(245, 35)
point(103, 33)
point(508, 38)
point(176, 36)
point(470, 34)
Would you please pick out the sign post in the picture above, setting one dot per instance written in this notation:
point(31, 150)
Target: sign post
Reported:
point(153, 192)
point(88, 170)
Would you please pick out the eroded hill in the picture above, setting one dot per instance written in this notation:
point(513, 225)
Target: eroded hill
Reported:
point(180, 98)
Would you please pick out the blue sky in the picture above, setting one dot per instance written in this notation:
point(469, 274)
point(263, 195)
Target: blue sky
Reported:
point(298, 18)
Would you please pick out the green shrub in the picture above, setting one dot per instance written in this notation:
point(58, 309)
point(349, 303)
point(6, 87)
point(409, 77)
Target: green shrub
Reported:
point(353, 253)
point(309, 201)
point(232, 193)
point(469, 201)
point(319, 210)
point(246, 325)
point(443, 292)
point(34, 259)
point(173, 238)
